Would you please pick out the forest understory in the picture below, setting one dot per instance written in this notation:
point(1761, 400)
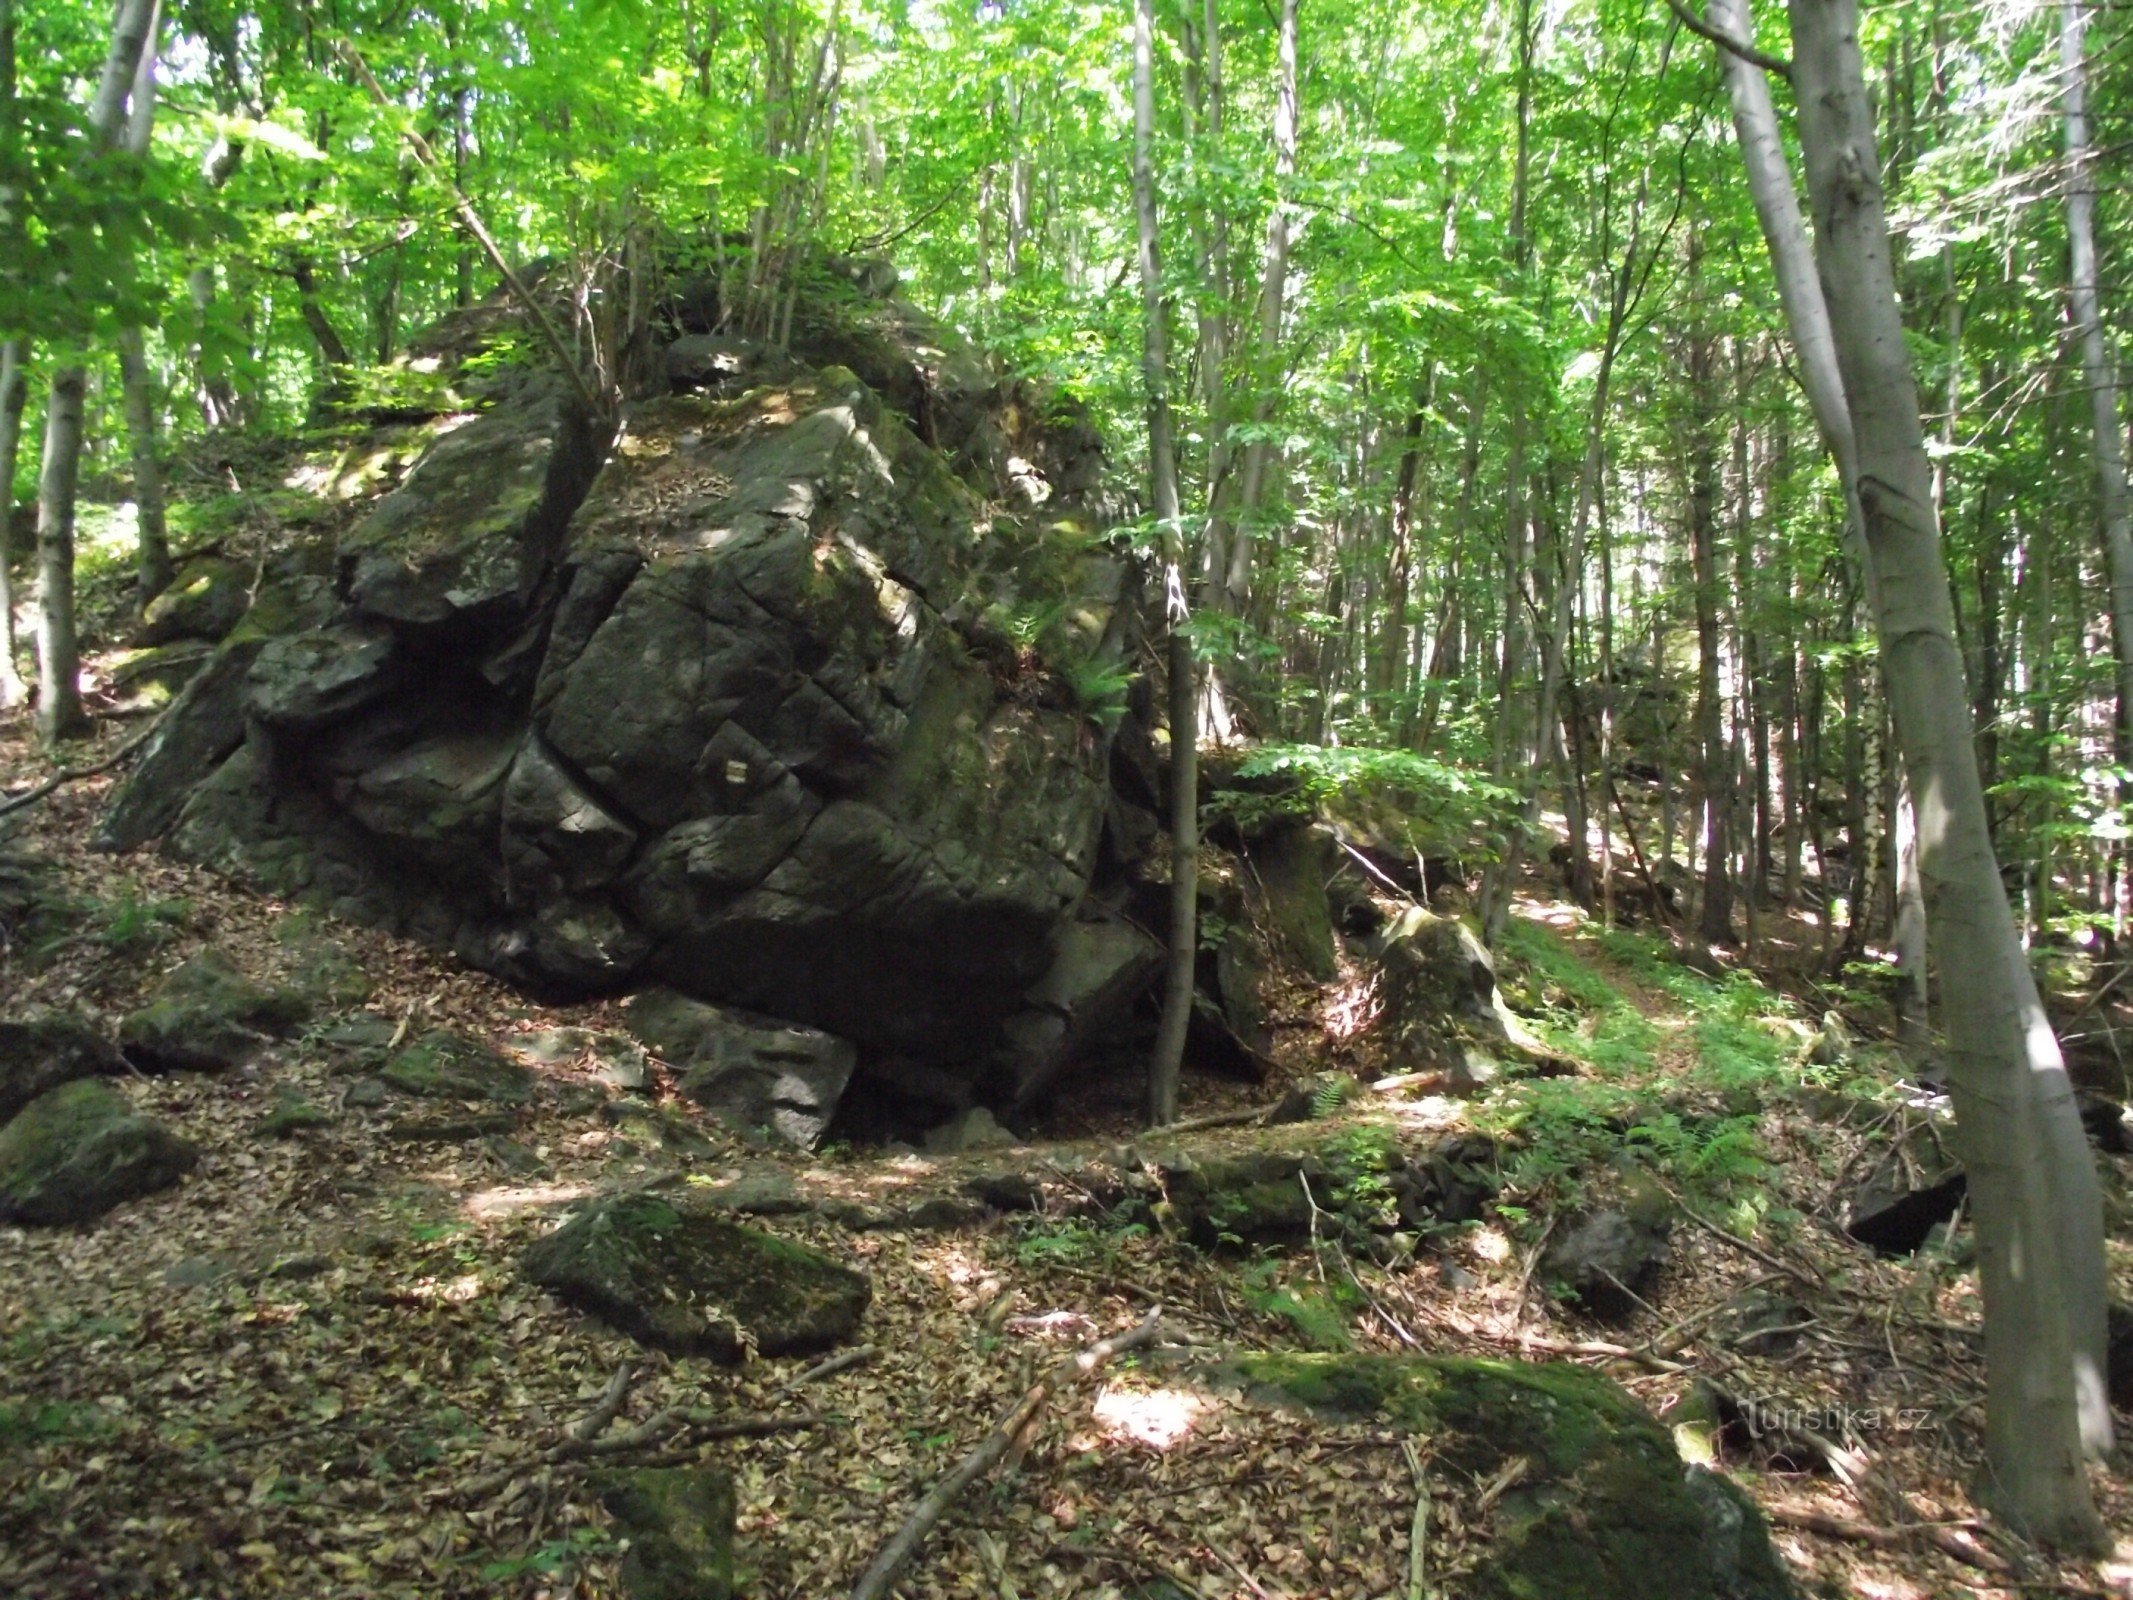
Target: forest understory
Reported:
point(316, 1368)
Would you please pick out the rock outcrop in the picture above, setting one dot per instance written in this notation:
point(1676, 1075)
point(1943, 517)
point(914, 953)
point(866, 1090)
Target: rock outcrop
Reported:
point(765, 695)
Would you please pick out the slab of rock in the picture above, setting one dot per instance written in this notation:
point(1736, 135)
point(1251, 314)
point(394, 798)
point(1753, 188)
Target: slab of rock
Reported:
point(752, 1072)
point(681, 1275)
point(73, 1154)
point(678, 1524)
point(38, 1054)
point(207, 1016)
point(1604, 1509)
point(442, 1065)
point(1084, 1002)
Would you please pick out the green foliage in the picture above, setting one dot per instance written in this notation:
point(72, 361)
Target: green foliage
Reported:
point(552, 1558)
point(131, 925)
point(1072, 1241)
point(1317, 1314)
point(25, 1424)
point(1451, 804)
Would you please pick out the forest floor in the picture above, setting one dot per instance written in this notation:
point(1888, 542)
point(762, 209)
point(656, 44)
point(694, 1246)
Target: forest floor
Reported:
point(315, 1369)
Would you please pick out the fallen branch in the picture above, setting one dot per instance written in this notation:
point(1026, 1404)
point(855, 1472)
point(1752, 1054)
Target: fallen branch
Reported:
point(874, 1583)
point(857, 1356)
point(595, 1421)
point(1250, 1115)
point(1418, 1526)
point(59, 780)
point(1944, 1537)
point(698, 1422)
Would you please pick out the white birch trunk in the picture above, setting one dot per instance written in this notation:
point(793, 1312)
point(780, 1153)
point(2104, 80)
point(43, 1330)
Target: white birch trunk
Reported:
point(2032, 1178)
point(1165, 1068)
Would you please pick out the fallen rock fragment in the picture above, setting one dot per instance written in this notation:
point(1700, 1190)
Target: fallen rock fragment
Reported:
point(681, 1275)
point(678, 1524)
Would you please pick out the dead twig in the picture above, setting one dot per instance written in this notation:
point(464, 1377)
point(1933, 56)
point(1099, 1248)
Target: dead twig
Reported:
point(595, 1421)
point(59, 780)
point(697, 1421)
point(903, 1544)
point(857, 1356)
point(1418, 1526)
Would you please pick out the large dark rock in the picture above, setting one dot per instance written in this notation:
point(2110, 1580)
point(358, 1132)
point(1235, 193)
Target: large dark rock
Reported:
point(1603, 1509)
point(38, 1054)
point(206, 1016)
point(677, 1272)
point(753, 1072)
point(73, 1154)
point(1084, 1003)
point(1913, 1189)
point(731, 703)
point(1608, 1251)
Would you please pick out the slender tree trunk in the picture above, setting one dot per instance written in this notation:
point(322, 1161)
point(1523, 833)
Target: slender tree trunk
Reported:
point(1165, 1069)
point(1259, 454)
point(59, 708)
point(152, 566)
point(153, 569)
point(2032, 1177)
point(1715, 761)
point(14, 397)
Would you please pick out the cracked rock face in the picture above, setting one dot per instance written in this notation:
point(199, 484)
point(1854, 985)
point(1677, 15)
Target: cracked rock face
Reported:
point(727, 705)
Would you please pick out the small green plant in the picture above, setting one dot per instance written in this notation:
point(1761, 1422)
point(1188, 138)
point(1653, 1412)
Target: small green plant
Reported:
point(28, 1423)
point(1099, 690)
point(1316, 1313)
point(550, 1559)
point(1073, 1241)
point(131, 925)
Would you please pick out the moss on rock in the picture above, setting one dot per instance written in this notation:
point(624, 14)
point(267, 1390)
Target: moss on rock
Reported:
point(449, 1066)
point(1604, 1509)
point(78, 1151)
point(207, 1016)
point(679, 1524)
point(679, 1273)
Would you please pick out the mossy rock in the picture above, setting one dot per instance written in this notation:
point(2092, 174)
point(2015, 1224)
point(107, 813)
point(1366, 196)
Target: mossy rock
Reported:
point(679, 1524)
point(680, 1274)
point(205, 601)
point(321, 968)
point(450, 1066)
point(1604, 1510)
point(292, 1115)
point(207, 1016)
point(73, 1154)
point(38, 1054)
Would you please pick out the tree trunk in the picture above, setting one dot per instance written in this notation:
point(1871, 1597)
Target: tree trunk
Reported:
point(1715, 761)
point(59, 709)
point(1259, 454)
point(152, 565)
point(153, 570)
point(2032, 1178)
point(14, 397)
point(1165, 1068)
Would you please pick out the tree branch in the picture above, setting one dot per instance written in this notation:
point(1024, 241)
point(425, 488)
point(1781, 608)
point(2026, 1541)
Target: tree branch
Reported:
point(1725, 41)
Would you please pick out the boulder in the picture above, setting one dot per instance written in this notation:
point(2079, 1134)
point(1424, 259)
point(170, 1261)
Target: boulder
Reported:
point(1085, 1001)
point(73, 1154)
point(207, 598)
point(1609, 1251)
point(206, 1016)
point(1603, 1508)
point(1913, 1189)
point(753, 1072)
point(681, 1275)
point(720, 704)
point(157, 675)
point(678, 1524)
point(38, 1054)
point(1438, 995)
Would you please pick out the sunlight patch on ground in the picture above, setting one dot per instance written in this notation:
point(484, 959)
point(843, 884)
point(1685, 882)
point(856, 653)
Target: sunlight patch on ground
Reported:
point(1431, 1111)
point(1491, 1244)
point(492, 1205)
point(1157, 1418)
